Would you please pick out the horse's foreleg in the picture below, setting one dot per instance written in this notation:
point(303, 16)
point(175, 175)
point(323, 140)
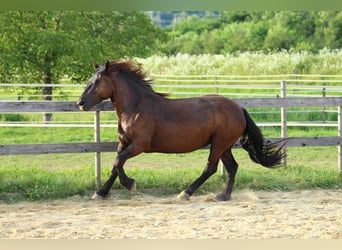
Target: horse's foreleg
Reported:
point(130, 151)
point(117, 170)
point(127, 182)
point(104, 190)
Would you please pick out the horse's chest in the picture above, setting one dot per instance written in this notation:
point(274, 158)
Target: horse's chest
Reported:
point(129, 125)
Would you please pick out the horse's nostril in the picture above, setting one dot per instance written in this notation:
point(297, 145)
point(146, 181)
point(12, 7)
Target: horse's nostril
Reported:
point(80, 103)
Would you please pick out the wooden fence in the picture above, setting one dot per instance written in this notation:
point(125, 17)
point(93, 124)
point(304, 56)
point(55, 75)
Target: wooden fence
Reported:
point(97, 147)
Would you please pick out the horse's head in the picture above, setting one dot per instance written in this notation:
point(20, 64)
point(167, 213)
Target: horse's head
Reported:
point(98, 88)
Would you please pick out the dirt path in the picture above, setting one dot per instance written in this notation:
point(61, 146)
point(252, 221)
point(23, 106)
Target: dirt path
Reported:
point(249, 215)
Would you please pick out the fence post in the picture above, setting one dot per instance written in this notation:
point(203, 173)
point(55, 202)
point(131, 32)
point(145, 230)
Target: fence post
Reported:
point(217, 86)
point(340, 134)
point(97, 154)
point(324, 92)
point(222, 168)
point(283, 117)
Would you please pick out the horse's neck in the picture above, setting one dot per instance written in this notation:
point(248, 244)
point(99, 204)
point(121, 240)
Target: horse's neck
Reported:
point(126, 97)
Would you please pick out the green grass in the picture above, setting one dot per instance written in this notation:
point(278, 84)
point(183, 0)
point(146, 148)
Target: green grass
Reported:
point(38, 177)
point(35, 177)
point(246, 63)
point(37, 183)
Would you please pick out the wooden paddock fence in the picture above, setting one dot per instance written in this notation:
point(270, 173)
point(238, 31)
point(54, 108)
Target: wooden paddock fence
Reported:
point(97, 147)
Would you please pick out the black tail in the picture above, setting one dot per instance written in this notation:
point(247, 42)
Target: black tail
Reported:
point(268, 155)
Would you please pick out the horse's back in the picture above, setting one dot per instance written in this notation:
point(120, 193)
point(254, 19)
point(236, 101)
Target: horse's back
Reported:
point(207, 110)
point(228, 114)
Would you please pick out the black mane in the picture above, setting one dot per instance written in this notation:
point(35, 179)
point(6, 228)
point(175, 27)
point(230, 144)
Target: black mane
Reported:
point(132, 70)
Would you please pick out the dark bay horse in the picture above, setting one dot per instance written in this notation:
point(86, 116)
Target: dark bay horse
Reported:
point(150, 122)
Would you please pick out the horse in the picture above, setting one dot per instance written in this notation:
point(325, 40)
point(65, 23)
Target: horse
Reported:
point(149, 121)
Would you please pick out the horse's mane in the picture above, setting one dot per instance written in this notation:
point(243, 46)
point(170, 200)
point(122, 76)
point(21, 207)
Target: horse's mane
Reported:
point(133, 70)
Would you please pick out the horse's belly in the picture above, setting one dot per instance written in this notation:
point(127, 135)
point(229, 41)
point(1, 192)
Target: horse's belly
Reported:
point(179, 142)
point(175, 149)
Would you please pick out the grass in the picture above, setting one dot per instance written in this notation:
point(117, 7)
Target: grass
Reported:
point(37, 183)
point(60, 176)
point(247, 63)
point(36, 177)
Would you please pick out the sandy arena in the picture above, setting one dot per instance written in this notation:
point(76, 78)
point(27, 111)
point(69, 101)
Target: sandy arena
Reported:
point(305, 214)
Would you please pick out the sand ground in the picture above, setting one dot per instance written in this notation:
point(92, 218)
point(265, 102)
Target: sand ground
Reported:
point(307, 214)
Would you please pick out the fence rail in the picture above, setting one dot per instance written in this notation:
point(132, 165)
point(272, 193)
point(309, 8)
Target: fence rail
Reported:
point(98, 147)
point(71, 106)
point(283, 102)
point(266, 85)
point(93, 147)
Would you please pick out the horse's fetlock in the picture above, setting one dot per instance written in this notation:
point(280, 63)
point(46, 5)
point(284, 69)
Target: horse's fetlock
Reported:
point(183, 196)
point(130, 184)
point(97, 196)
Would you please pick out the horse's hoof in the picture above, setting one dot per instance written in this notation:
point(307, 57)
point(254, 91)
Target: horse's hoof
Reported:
point(222, 197)
point(183, 196)
point(96, 196)
point(133, 188)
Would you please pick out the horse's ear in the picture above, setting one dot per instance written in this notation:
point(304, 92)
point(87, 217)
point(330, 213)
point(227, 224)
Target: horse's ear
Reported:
point(95, 65)
point(107, 65)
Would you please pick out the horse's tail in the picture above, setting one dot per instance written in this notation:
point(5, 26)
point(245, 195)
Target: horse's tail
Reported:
point(268, 155)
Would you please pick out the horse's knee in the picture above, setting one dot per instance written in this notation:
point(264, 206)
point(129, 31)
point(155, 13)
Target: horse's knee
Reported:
point(114, 171)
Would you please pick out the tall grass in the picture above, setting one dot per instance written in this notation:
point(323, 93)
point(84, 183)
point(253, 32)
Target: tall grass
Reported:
point(247, 63)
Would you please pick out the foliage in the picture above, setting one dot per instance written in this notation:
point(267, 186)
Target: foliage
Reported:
point(242, 31)
point(325, 61)
point(44, 46)
point(12, 117)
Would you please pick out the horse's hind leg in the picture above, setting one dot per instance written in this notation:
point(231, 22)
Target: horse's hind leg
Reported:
point(231, 166)
point(209, 170)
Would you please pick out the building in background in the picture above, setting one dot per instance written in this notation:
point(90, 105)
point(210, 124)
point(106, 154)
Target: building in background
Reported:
point(168, 18)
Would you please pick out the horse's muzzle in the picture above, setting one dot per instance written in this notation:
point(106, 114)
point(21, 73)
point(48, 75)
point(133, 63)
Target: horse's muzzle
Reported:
point(81, 105)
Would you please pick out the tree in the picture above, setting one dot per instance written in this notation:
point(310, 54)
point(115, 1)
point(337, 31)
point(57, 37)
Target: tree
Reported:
point(236, 31)
point(329, 29)
point(44, 46)
point(234, 16)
